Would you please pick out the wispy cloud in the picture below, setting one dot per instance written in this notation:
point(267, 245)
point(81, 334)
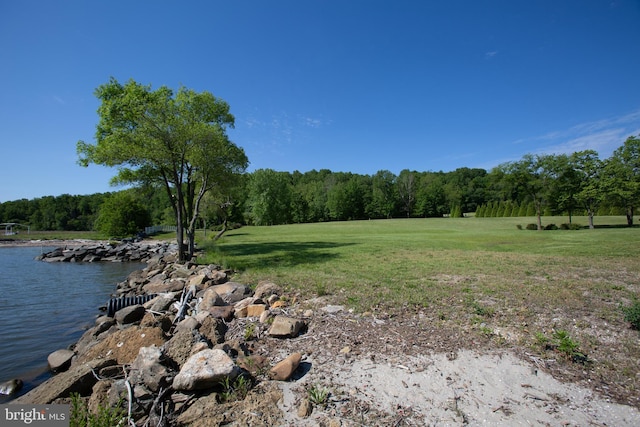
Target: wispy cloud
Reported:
point(603, 136)
point(59, 100)
point(490, 54)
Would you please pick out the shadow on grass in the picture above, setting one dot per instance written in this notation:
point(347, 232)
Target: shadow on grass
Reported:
point(277, 254)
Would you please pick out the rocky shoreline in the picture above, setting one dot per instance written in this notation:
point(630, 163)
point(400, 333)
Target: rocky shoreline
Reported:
point(185, 350)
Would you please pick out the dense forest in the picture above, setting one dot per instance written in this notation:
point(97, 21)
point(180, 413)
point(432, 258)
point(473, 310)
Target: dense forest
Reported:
point(536, 185)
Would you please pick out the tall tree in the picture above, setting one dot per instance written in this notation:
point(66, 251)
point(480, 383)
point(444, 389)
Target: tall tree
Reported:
point(383, 198)
point(533, 176)
point(121, 215)
point(269, 200)
point(407, 187)
point(588, 168)
point(177, 140)
point(622, 176)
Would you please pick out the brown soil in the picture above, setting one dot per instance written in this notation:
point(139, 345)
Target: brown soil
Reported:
point(407, 368)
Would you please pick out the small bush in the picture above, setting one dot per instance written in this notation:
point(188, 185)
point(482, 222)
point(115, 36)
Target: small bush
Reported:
point(550, 227)
point(532, 227)
point(519, 227)
point(632, 314)
point(567, 226)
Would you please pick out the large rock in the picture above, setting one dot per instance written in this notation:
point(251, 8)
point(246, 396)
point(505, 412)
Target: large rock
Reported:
point(60, 360)
point(232, 292)
point(204, 370)
point(158, 285)
point(283, 370)
point(130, 314)
point(124, 345)
point(79, 379)
point(265, 289)
point(213, 329)
point(210, 298)
point(283, 327)
point(225, 312)
point(178, 348)
point(148, 369)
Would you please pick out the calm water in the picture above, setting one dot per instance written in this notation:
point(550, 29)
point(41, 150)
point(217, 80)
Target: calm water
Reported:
point(47, 306)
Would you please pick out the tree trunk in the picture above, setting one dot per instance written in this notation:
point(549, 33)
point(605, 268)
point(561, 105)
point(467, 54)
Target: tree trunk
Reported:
point(539, 215)
point(630, 216)
point(222, 231)
point(590, 213)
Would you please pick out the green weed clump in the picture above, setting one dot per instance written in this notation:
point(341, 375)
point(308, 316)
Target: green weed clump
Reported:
point(632, 314)
point(318, 395)
point(236, 390)
point(568, 347)
point(106, 416)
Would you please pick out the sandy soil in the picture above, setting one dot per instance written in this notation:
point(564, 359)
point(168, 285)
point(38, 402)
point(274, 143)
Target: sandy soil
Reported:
point(374, 378)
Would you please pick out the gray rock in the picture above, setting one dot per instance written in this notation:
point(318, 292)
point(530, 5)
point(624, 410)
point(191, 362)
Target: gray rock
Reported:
point(210, 298)
point(265, 289)
point(130, 314)
point(79, 379)
point(148, 369)
point(60, 360)
point(204, 370)
point(232, 292)
point(178, 348)
point(284, 326)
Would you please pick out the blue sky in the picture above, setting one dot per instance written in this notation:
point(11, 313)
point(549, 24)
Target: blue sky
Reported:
point(347, 85)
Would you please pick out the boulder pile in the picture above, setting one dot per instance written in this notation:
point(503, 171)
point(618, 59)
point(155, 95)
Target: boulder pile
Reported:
point(110, 252)
point(187, 349)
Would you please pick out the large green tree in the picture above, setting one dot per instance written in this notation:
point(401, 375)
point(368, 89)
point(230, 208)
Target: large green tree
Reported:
point(622, 176)
point(174, 140)
point(588, 169)
point(533, 176)
point(269, 197)
point(122, 215)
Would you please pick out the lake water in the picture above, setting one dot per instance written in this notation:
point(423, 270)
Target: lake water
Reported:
point(47, 306)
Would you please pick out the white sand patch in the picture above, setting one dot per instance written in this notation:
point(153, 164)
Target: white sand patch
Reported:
point(491, 389)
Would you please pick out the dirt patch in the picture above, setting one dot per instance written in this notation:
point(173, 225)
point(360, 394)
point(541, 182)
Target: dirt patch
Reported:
point(397, 370)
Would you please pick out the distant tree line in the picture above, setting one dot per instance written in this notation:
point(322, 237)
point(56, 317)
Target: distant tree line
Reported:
point(536, 185)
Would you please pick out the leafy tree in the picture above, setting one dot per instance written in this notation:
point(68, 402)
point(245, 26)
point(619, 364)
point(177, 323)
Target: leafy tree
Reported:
point(588, 169)
point(622, 176)
point(383, 198)
point(407, 187)
point(430, 195)
point(269, 200)
point(175, 140)
point(533, 175)
point(121, 215)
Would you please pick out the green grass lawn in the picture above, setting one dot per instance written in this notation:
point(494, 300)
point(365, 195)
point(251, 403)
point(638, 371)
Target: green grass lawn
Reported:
point(409, 260)
point(473, 279)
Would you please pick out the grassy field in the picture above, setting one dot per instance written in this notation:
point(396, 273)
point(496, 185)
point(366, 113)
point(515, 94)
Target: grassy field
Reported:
point(423, 261)
point(469, 281)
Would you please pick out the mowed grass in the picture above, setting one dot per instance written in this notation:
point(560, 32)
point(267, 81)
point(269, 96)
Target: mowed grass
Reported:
point(470, 282)
point(426, 261)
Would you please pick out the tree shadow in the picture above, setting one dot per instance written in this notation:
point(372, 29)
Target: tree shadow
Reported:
point(279, 254)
